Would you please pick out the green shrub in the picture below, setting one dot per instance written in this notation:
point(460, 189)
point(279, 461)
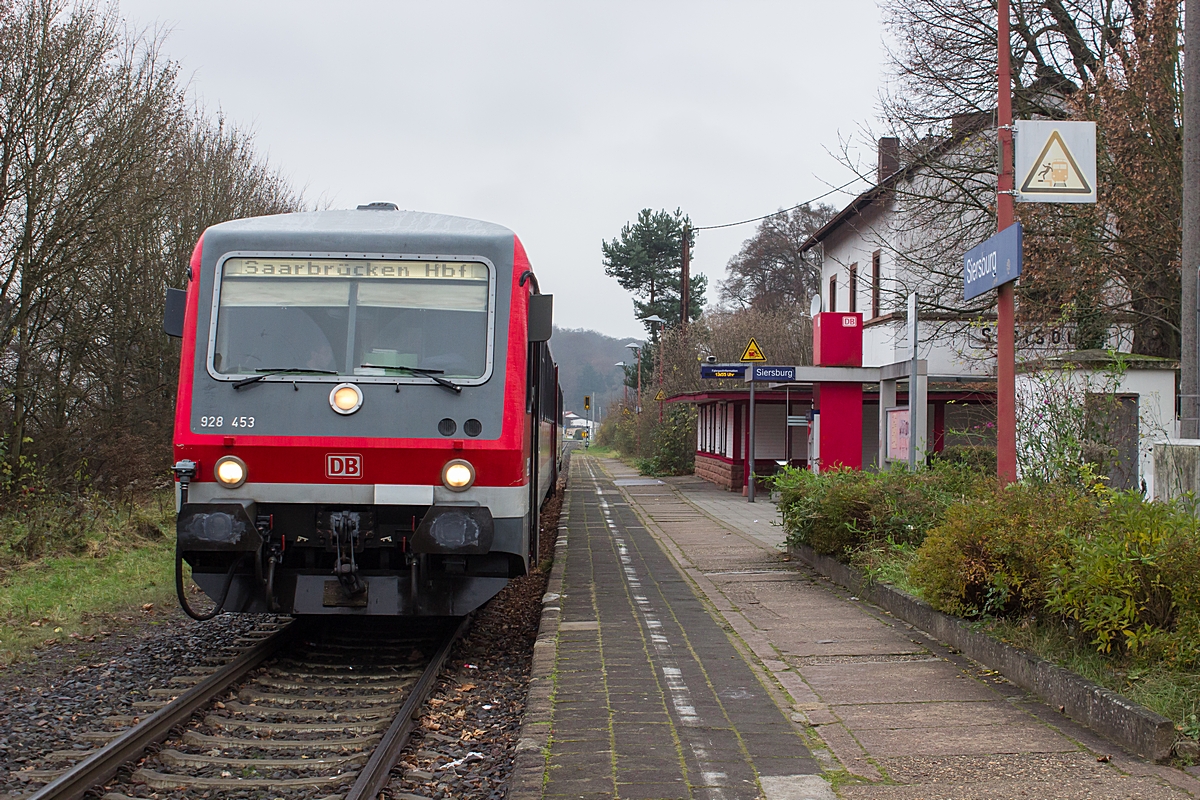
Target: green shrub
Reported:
point(1130, 583)
point(976, 456)
point(841, 511)
point(673, 444)
point(996, 554)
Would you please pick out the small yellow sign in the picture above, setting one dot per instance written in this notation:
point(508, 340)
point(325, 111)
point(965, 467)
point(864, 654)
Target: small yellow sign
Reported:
point(1055, 171)
point(753, 352)
point(660, 396)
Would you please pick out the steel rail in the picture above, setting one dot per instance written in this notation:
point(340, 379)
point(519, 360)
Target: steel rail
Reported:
point(373, 777)
point(101, 765)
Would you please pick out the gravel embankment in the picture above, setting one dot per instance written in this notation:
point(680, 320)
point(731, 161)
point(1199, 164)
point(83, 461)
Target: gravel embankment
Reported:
point(464, 747)
point(71, 688)
point(467, 741)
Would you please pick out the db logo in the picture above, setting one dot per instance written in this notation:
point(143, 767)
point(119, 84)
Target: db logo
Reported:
point(849, 322)
point(343, 465)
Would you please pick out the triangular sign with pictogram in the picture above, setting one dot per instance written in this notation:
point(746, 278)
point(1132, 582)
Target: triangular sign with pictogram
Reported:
point(1055, 171)
point(658, 398)
point(753, 352)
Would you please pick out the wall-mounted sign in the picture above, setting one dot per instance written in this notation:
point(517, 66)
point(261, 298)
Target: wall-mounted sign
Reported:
point(718, 371)
point(897, 434)
point(996, 261)
point(761, 372)
point(1056, 161)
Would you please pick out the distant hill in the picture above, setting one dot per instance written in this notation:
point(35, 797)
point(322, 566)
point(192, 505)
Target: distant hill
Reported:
point(585, 365)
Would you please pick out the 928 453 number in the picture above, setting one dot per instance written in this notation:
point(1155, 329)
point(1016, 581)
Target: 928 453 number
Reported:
point(219, 422)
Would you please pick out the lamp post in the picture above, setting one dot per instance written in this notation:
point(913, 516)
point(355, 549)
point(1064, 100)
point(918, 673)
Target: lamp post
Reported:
point(662, 326)
point(637, 350)
point(624, 383)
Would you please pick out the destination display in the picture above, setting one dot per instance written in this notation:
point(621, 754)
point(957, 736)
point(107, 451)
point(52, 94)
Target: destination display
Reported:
point(728, 371)
point(353, 268)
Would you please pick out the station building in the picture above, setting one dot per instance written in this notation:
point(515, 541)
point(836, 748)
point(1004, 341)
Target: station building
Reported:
point(871, 254)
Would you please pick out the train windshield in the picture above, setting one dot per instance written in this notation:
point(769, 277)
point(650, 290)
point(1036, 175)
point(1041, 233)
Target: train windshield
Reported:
point(343, 315)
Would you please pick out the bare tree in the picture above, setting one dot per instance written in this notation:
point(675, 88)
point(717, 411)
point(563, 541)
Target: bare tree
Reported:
point(770, 272)
point(106, 180)
point(1093, 270)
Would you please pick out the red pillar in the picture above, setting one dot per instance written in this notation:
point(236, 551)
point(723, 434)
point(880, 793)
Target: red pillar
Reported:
point(1006, 383)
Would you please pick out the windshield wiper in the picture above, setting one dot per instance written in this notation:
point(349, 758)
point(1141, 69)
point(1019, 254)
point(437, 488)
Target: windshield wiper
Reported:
point(434, 375)
point(289, 370)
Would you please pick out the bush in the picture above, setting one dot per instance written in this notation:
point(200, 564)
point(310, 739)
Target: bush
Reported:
point(996, 554)
point(976, 456)
point(673, 444)
point(1130, 583)
point(841, 511)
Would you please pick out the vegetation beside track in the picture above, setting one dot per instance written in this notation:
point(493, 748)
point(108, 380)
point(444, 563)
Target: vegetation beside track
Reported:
point(1098, 581)
point(67, 565)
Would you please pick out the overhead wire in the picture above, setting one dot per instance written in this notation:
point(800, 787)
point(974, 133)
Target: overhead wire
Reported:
point(778, 213)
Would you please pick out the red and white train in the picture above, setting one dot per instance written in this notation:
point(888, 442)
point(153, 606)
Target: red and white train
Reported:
point(367, 416)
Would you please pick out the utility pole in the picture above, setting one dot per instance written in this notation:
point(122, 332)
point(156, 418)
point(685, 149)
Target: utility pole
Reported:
point(685, 277)
point(1189, 383)
point(1006, 384)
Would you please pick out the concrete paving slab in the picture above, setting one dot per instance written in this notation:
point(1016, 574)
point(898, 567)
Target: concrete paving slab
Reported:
point(960, 739)
point(892, 682)
point(883, 716)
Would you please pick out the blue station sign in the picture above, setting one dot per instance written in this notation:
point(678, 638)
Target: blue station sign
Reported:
point(761, 372)
point(718, 371)
point(996, 261)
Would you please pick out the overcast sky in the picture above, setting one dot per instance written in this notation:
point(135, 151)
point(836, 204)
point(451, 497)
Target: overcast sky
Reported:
point(557, 119)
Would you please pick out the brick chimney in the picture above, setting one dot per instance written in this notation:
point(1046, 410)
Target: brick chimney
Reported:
point(889, 158)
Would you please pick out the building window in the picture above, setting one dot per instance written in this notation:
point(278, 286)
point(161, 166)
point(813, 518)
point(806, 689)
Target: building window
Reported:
point(853, 286)
point(833, 293)
point(875, 281)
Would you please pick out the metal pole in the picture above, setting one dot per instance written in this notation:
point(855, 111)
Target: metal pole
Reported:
point(913, 416)
point(750, 449)
point(661, 332)
point(1189, 383)
point(1006, 385)
point(685, 279)
point(638, 403)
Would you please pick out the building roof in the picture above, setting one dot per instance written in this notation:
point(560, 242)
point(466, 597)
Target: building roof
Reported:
point(972, 124)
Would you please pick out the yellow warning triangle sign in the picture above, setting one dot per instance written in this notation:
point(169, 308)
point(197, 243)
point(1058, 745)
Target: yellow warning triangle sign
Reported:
point(1055, 171)
point(658, 398)
point(753, 352)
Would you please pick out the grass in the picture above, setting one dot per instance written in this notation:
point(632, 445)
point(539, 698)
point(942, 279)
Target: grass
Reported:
point(66, 567)
point(51, 599)
point(1175, 694)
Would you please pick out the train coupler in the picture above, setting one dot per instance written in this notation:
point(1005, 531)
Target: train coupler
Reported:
point(346, 531)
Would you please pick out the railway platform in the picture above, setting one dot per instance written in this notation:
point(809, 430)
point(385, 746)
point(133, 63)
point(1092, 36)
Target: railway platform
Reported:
point(683, 656)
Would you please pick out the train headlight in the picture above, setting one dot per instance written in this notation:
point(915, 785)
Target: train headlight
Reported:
point(458, 475)
point(346, 398)
point(230, 471)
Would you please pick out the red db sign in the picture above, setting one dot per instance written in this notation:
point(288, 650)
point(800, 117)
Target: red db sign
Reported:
point(343, 465)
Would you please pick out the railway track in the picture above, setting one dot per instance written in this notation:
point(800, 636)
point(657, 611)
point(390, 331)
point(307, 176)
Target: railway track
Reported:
point(316, 708)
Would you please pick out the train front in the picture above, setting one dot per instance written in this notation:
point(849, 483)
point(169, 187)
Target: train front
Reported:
point(352, 426)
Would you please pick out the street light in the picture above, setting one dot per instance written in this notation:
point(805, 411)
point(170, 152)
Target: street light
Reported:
point(624, 385)
point(663, 323)
point(637, 349)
